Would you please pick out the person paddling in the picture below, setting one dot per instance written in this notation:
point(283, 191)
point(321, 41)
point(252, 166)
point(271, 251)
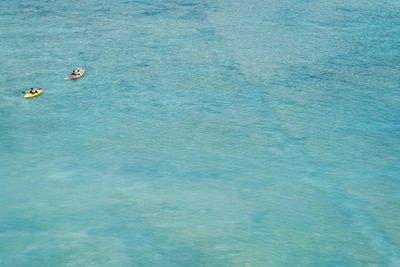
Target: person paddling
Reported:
point(76, 72)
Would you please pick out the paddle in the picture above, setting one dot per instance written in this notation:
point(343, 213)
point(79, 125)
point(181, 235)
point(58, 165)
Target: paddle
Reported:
point(29, 90)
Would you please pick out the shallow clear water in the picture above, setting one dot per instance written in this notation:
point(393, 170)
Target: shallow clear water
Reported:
point(205, 133)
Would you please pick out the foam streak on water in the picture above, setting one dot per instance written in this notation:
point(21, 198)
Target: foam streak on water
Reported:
point(205, 133)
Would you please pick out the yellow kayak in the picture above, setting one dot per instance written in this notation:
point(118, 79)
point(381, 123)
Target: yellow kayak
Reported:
point(30, 95)
point(81, 73)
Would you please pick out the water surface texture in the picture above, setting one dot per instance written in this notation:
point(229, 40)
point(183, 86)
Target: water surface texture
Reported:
point(205, 133)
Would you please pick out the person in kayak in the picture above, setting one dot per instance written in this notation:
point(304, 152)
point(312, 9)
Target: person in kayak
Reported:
point(76, 72)
point(31, 91)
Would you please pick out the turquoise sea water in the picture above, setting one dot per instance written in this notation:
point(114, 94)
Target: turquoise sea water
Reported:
point(205, 133)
